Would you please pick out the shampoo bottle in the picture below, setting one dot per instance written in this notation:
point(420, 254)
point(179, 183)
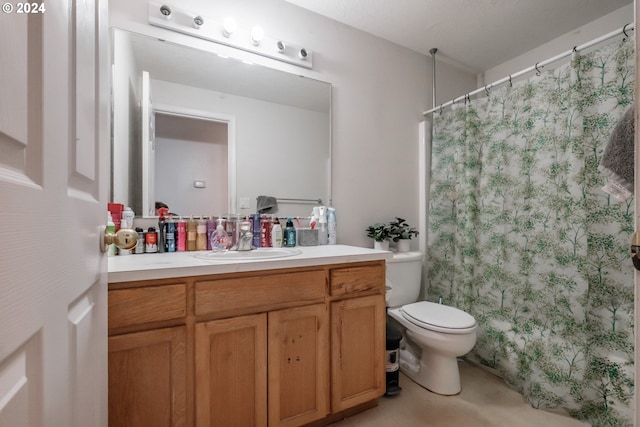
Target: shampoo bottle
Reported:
point(276, 234)
point(332, 226)
point(289, 234)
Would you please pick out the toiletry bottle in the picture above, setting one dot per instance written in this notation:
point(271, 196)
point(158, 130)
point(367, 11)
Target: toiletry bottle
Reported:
point(265, 231)
point(181, 235)
point(289, 234)
point(126, 222)
point(111, 228)
point(171, 235)
point(211, 228)
point(151, 241)
point(201, 234)
point(323, 235)
point(139, 249)
point(276, 234)
point(219, 238)
point(192, 233)
point(332, 226)
point(255, 229)
point(162, 229)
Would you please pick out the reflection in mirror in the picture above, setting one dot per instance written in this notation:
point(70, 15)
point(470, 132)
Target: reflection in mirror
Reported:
point(217, 132)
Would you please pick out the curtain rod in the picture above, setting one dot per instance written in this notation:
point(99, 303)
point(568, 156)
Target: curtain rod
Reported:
point(536, 67)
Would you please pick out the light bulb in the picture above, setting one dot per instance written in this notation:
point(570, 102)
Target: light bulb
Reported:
point(257, 34)
point(228, 27)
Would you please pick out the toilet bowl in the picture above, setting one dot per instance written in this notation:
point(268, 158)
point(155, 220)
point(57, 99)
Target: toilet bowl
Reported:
point(437, 335)
point(434, 335)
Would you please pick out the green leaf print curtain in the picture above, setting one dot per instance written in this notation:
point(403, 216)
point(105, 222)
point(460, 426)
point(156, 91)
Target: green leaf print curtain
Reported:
point(522, 236)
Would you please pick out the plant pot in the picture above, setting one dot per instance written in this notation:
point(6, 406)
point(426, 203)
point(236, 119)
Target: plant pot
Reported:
point(382, 246)
point(404, 245)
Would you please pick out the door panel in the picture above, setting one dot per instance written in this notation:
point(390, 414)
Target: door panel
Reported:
point(53, 196)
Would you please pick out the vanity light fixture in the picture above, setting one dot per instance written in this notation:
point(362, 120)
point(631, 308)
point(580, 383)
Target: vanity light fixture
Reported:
point(165, 11)
point(227, 32)
point(257, 34)
point(197, 22)
point(228, 27)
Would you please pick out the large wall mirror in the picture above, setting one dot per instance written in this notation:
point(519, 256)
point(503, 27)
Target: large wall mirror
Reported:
point(207, 134)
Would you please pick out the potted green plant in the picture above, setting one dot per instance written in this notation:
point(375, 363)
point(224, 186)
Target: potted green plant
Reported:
point(401, 232)
point(380, 233)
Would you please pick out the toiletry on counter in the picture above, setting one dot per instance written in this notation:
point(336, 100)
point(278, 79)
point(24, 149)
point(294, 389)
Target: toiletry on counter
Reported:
point(139, 249)
point(162, 229)
point(255, 229)
point(332, 226)
point(151, 241)
point(289, 234)
point(219, 238)
point(323, 235)
point(181, 235)
point(265, 231)
point(307, 237)
point(201, 234)
point(192, 234)
point(111, 228)
point(211, 228)
point(171, 235)
point(126, 222)
point(276, 234)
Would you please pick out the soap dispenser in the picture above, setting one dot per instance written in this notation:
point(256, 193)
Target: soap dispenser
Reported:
point(219, 238)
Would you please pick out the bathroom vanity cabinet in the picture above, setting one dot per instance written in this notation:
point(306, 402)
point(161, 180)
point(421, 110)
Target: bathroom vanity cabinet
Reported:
point(279, 347)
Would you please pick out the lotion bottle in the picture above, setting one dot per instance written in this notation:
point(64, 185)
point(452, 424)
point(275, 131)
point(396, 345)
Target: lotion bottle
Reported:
point(192, 233)
point(201, 234)
point(276, 234)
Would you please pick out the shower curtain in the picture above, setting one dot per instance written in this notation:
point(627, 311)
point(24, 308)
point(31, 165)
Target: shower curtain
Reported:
point(522, 237)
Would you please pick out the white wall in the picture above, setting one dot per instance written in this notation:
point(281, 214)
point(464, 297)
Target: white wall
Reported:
point(611, 22)
point(379, 93)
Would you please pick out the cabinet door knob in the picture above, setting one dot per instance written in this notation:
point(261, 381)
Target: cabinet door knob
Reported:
point(125, 238)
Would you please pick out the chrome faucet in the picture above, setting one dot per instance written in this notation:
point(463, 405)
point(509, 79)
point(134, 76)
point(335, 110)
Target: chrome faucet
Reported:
point(245, 239)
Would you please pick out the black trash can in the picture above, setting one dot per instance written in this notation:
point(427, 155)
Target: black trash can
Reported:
point(393, 360)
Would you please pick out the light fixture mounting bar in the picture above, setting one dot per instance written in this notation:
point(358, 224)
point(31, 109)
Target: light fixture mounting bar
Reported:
point(167, 16)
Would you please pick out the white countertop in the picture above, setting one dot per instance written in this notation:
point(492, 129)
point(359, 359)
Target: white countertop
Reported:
point(179, 264)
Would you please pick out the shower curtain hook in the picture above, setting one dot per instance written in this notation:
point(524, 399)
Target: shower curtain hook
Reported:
point(624, 31)
point(538, 72)
point(510, 82)
point(486, 90)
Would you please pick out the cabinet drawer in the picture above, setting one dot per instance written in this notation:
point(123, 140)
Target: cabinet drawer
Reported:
point(357, 280)
point(143, 305)
point(254, 294)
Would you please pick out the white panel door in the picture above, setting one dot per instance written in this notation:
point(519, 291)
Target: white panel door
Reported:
point(54, 170)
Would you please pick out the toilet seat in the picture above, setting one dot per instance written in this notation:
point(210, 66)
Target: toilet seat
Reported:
point(438, 317)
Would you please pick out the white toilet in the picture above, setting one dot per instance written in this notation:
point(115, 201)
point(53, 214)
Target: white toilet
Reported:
point(434, 335)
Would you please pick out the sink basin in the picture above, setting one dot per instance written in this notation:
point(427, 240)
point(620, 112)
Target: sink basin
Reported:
point(260, 253)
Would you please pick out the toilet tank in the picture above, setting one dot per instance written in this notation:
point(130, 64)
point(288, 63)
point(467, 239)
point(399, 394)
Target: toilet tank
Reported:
point(404, 271)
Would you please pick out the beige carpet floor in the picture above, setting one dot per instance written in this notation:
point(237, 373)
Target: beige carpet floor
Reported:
point(485, 401)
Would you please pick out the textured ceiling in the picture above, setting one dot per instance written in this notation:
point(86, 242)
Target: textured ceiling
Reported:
point(478, 34)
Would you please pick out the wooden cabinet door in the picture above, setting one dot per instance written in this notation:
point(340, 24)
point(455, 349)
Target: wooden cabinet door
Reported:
point(231, 372)
point(298, 365)
point(147, 378)
point(357, 351)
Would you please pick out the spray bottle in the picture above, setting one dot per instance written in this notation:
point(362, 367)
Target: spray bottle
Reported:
point(332, 226)
point(162, 229)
